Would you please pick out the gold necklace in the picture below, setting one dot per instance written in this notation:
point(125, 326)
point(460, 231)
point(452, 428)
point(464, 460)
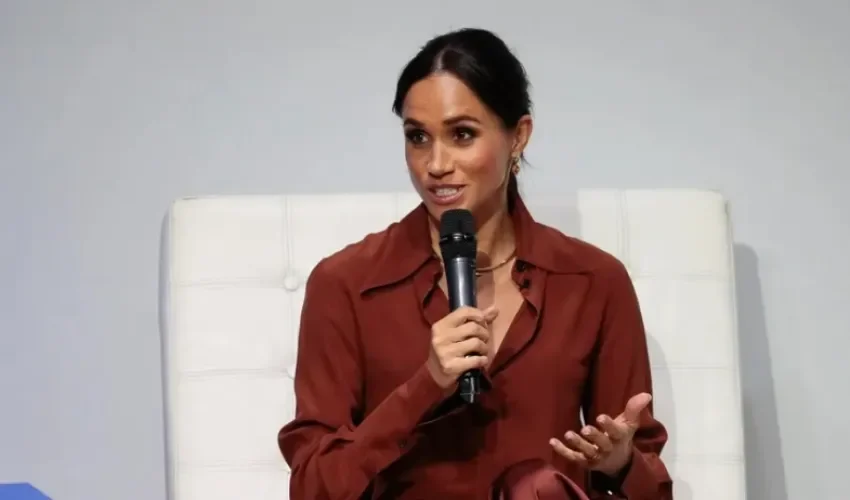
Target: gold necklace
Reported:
point(481, 270)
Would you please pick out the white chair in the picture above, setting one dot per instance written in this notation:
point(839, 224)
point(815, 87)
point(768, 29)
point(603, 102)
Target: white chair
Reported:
point(233, 281)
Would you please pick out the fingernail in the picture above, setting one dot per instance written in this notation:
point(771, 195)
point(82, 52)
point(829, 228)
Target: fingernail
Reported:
point(585, 431)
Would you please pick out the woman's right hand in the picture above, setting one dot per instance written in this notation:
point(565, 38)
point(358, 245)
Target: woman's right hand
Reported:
point(459, 344)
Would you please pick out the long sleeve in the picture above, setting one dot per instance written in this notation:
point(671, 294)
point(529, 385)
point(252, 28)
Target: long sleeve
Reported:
point(330, 455)
point(621, 371)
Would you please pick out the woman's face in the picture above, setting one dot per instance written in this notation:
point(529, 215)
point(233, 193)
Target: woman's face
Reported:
point(458, 152)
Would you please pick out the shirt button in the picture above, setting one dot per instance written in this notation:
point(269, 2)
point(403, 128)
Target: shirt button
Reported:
point(520, 266)
point(402, 444)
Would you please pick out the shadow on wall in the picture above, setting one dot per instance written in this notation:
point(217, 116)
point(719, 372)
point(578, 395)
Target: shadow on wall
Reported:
point(662, 387)
point(765, 469)
point(163, 307)
point(763, 449)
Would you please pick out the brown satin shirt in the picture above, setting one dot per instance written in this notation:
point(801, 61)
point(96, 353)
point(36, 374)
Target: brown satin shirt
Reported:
point(371, 422)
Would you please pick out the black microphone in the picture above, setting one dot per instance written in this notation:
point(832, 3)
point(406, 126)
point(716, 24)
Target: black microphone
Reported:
point(459, 248)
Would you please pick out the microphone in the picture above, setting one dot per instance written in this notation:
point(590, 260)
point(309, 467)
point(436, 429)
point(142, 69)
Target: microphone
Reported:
point(459, 248)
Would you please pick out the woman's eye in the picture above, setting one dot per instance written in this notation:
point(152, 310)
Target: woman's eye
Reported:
point(415, 136)
point(464, 134)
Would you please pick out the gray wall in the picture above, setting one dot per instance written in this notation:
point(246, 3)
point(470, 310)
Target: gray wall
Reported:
point(109, 110)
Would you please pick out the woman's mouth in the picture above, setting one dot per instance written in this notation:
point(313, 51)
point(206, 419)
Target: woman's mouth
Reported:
point(446, 195)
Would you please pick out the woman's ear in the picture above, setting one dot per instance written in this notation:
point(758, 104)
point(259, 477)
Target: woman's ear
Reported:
point(522, 134)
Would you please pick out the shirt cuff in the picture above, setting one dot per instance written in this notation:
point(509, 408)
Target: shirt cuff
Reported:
point(635, 481)
point(610, 485)
point(639, 482)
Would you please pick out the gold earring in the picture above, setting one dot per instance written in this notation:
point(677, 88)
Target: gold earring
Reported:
point(515, 165)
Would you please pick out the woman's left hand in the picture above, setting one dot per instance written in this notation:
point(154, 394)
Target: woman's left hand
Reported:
point(606, 448)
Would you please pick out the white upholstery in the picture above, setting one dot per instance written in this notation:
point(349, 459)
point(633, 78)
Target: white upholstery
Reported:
point(233, 281)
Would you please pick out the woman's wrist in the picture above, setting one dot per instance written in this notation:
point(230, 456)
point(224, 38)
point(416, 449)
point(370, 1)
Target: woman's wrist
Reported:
point(619, 471)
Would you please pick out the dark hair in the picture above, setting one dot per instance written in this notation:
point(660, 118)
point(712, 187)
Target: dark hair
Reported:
point(483, 62)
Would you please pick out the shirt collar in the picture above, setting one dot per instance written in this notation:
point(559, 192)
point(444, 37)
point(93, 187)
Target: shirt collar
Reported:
point(407, 247)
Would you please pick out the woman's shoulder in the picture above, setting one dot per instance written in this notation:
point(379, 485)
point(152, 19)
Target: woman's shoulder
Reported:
point(581, 254)
point(352, 263)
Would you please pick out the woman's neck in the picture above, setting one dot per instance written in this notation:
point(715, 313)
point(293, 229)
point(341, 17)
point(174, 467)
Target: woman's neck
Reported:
point(496, 239)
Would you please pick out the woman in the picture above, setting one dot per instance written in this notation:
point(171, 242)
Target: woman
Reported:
point(558, 332)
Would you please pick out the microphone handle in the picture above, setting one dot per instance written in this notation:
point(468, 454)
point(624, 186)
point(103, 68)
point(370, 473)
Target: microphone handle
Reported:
point(469, 385)
point(460, 283)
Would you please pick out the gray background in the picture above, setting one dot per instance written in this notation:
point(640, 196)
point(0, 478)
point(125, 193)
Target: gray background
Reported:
point(109, 110)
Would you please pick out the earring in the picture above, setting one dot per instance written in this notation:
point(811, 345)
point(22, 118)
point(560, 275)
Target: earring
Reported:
point(515, 165)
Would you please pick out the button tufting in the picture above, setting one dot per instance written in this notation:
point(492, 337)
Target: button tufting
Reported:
point(291, 282)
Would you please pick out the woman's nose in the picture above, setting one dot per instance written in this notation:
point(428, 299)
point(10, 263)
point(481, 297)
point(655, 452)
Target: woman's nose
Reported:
point(440, 162)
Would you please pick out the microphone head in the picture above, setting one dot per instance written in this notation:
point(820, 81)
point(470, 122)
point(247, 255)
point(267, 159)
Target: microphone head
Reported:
point(457, 221)
point(457, 234)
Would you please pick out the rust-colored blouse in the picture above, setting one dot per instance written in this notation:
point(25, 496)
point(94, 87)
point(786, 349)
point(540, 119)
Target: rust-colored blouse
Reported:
point(371, 422)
